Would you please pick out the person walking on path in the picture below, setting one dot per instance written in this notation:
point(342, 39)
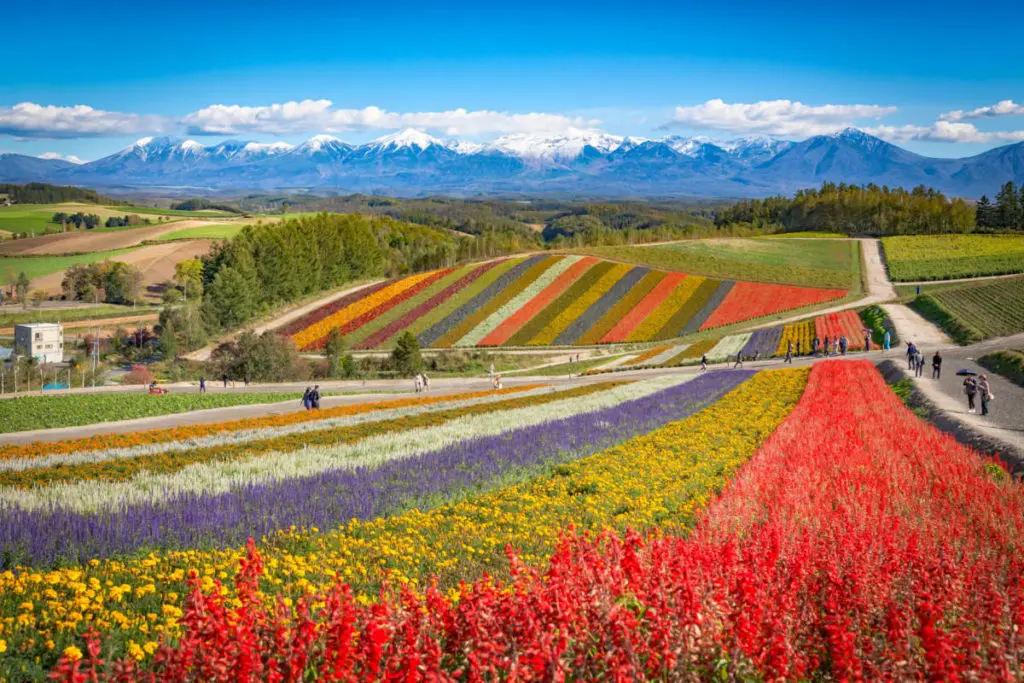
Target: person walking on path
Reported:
point(985, 393)
point(844, 344)
point(789, 353)
point(305, 398)
point(937, 366)
point(798, 347)
point(919, 363)
point(911, 355)
point(704, 363)
point(867, 340)
point(246, 379)
point(225, 378)
point(739, 361)
point(314, 397)
point(971, 389)
point(202, 385)
point(814, 346)
point(417, 383)
point(426, 381)
point(887, 341)
point(827, 346)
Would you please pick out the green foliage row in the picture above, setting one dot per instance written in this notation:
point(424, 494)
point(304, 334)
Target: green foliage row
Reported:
point(876, 320)
point(47, 412)
point(1008, 363)
point(854, 209)
point(17, 317)
point(202, 204)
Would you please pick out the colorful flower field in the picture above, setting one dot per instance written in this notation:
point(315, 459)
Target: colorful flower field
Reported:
point(544, 300)
point(764, 343)
point(791, 524)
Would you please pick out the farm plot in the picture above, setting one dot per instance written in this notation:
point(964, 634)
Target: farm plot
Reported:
point(945, 257)
point(559, 300)
point(971, 313)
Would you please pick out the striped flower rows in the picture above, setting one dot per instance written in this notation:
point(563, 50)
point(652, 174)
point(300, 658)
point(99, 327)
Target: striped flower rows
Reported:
point(546, 301)
point(449, 512)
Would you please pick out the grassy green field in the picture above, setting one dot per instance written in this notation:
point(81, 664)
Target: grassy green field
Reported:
point(14, 315)
point(973, 312)
point(812, 263)
point(213, 232)
point(37, 266)
point(945, 257)
point(569, 368)
point(47, 412)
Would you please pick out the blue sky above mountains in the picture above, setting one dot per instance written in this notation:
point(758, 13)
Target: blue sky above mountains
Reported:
point(939, 78)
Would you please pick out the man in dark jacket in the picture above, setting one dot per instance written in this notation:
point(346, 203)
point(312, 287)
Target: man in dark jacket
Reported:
point(936, 366)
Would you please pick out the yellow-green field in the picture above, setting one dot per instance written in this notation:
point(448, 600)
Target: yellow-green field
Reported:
point(946, 257)
point(35, 219)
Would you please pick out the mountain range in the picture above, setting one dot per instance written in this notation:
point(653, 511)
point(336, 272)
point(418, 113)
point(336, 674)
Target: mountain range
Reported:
point(581, 162)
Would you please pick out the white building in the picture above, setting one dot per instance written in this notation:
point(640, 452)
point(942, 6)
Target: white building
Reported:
point(44, 341)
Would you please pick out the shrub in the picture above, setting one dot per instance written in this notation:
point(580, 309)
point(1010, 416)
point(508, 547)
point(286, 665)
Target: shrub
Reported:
point(140, 374)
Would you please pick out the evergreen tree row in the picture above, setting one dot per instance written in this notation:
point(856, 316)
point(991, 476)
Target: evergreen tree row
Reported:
point(1008, 211)
point(44, 193)
point(855, 209)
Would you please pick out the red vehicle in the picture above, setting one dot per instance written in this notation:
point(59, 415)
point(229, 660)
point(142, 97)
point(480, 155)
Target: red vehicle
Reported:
point(154, 389)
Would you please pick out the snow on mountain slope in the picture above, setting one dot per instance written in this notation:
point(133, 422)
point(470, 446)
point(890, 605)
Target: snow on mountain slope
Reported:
point(561, 147)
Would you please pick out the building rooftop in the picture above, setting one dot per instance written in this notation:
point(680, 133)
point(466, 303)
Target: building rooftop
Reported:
point(33, 326)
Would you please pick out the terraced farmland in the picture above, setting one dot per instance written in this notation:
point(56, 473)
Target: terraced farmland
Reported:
point(545, 300)
point(946, 257)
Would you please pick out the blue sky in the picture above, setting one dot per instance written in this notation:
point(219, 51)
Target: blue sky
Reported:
point(899, 69)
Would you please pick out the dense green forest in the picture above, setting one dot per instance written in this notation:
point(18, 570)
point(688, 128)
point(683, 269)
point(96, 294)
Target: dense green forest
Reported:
point(42, 193)
point(854, 209)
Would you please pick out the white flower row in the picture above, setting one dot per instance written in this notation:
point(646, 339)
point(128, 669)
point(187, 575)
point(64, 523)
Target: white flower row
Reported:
point(728, 347)
point(219, 477)
point(491, 323)
point(252, 434)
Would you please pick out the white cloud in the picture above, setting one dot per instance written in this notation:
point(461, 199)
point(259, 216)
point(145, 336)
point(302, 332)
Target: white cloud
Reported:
point(319, 115)
point(63, 157)
point(29, 120)
point(945, 131)
point(775, 117)
point(1003, 108)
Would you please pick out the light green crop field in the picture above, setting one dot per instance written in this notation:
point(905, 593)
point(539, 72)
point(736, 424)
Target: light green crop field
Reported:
point(811, 263)
point(37, 266)
point(213, 232)
point(34, 219)
point(17, 316)
point(946, 257)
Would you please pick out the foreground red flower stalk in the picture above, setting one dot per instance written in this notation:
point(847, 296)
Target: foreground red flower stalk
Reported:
point(858, 544)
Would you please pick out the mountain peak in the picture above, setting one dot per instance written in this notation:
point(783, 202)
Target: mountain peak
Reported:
point(407, 138)
point(318, 142)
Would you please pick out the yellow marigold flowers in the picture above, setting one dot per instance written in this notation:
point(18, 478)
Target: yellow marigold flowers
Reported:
point(72, 653)
point(3, 646)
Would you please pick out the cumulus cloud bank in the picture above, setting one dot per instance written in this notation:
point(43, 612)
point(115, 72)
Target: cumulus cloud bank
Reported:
point(29, 120)
point(1003, 108)
point(320, 115)
point(784, 118)
point(63, 157)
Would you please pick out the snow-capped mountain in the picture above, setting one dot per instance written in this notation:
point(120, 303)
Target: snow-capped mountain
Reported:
point(588, 162)
point(563, 147)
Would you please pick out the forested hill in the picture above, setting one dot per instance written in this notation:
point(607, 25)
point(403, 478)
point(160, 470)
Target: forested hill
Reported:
point(43, 193)
point(854, 209)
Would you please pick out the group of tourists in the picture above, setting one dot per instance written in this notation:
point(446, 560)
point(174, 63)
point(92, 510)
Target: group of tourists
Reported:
point(836, 346)
point(978, 387)
point(421, 382)
point(311, 398)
